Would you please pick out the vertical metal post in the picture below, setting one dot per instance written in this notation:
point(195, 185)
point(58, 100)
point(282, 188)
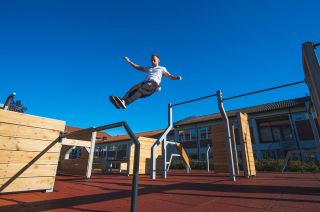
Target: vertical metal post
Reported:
point(158, 142)
point(164, 143)
point(153, 161)
point(235, 150)
point(135, 183)
point(295, 134)
point(91, 154)
point(164, 158)
point(208, 162)
point(228, 135)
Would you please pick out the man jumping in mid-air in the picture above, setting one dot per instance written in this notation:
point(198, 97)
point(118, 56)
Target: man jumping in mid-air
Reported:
point(146, 88)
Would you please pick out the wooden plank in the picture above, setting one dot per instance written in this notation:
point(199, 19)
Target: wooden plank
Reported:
point(9, 170)
point(220, 158)
point(246, 145)
point(22, 157)
point(17, 131)
point(27, 184)
point(74, 142)
point(30, 120)
point(24, 144)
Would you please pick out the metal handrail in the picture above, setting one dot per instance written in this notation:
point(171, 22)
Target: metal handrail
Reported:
point(134, 194)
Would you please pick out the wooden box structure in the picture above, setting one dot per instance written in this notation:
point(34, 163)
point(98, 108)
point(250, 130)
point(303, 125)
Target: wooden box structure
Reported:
point(145, 156)
point(77, 166)
point(220, 151)
point(29, 151)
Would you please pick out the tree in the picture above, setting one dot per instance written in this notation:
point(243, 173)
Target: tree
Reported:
point(17, 106)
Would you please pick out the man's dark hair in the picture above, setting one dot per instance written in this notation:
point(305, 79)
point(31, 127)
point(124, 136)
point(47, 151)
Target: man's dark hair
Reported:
point(155, 55)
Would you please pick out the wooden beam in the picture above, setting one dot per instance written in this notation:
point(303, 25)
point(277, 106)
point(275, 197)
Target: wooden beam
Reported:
point(74, 142)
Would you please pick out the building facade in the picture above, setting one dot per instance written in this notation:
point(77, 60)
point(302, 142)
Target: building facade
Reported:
point(275, 128)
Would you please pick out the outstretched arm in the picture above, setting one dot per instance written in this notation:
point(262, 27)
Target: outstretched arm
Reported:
point(172, 77)
point(140, 68)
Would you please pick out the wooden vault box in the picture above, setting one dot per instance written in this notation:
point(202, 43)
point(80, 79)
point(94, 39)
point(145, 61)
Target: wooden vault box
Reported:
point(145, 165)
point(29, 151)
point(220, 152)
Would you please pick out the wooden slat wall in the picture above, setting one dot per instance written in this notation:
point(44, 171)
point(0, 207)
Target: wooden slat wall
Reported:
point(220, 158)
point(29, 151)
point(246, 145)
point(145, 156)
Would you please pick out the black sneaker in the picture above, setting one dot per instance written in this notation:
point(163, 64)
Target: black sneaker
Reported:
point(121, 102)
point(114, 102)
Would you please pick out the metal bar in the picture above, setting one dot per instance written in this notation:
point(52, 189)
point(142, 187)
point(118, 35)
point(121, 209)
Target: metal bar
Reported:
point(193, 100)
point(91, 154)
point(208, 161)
point(316, 44)
point(158, 142)
point(264, 90)
point(92, 129)
point(172, 155)
point(134, 193)
point(228, 135)
point(164, 158)
point(295, 133)
point(235, 150)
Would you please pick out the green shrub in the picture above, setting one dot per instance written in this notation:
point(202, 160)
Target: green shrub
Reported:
point(292, 166)
point(195, 165)
point(298, 166)
point(269, 165)
point(261, 165)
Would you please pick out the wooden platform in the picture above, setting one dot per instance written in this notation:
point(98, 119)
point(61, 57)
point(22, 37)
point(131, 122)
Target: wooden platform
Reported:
point(29, 151)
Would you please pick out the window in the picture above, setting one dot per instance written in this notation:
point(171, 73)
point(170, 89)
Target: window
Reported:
point(181, 135)
point(237, 138)
point(193, 134)
point(203, 131)
point(122, 152)
point(194, 157)
point(275, 130)
point(304, 130)
point(187, 135)
point(75, 153)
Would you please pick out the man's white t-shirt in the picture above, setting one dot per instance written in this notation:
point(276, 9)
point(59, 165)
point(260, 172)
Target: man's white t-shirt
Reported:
point(155, 73)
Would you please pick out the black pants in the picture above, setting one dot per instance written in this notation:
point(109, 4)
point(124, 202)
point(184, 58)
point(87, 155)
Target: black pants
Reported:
point(140, 90)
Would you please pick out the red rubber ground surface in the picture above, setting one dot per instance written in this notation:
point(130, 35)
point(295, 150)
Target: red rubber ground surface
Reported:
point(198, 191)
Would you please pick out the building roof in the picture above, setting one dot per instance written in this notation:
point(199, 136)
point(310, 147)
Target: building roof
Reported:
point(149, 134)
point(280, 105)
point(101, 135)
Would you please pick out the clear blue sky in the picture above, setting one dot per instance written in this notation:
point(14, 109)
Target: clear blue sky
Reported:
point(64, 58)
